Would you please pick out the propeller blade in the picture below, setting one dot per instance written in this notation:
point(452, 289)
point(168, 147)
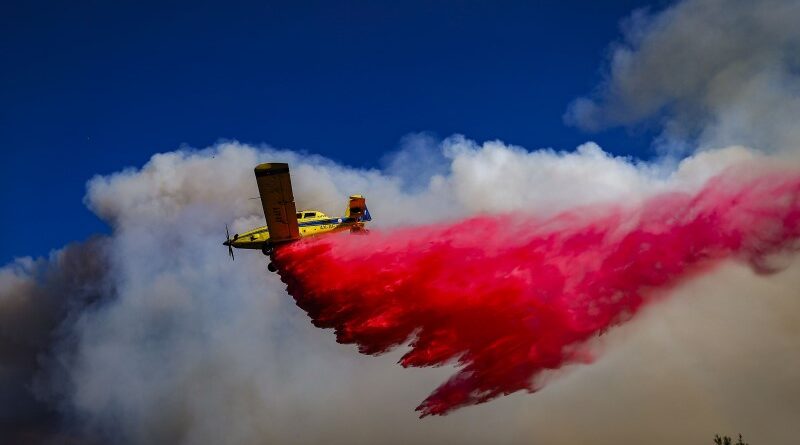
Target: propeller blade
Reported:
point(228, 243)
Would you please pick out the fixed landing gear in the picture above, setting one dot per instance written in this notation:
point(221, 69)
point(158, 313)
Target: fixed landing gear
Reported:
point(267, 250)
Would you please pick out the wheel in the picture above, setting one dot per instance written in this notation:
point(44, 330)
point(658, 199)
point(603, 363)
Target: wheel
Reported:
point(271, 267)
point(266, 250)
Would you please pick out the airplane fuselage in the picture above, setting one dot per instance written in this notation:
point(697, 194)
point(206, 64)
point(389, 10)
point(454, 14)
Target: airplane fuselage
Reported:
point(311, 222)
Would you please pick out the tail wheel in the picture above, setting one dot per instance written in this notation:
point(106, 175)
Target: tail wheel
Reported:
point(271, 267)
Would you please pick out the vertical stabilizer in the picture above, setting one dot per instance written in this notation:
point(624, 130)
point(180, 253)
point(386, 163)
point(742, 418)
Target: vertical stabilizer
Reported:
point(357, 209)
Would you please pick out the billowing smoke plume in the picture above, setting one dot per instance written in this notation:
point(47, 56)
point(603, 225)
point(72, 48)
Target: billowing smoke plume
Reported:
point(717, 71)
point(152, 335)
point(159, 337)
point(37, 299)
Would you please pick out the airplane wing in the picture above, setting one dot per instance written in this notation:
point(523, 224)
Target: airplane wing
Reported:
point(275, 189)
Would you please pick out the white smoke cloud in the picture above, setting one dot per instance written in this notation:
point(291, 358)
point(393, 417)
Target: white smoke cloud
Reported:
point(473, 178)
point(194, 348)
point(717, 72)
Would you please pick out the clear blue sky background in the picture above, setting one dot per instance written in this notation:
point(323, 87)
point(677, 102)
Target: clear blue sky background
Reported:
point(91, 87)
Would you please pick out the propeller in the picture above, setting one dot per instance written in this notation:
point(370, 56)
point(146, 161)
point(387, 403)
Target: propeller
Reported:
point(228, 243)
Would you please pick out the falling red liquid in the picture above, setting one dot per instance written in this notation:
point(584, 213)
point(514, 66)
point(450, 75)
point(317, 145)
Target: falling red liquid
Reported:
point(510, 296)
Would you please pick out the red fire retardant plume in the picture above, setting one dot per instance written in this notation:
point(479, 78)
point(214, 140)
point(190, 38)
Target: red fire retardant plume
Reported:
point(509, 296)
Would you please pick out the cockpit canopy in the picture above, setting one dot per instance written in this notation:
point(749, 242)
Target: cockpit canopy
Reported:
point(310, 214)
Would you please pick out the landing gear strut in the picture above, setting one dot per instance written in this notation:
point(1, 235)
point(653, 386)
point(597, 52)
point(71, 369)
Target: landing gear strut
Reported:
point(267, 250)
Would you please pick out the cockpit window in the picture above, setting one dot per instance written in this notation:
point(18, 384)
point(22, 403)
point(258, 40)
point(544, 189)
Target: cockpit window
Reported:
point(309, 214)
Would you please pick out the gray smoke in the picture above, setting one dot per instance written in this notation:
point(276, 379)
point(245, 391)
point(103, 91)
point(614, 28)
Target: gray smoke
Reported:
point(718, 72)
point(39, 301)
point(153, 335)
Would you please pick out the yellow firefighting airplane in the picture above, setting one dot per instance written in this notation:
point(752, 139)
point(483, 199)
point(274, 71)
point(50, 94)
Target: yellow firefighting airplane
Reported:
point(284, 223)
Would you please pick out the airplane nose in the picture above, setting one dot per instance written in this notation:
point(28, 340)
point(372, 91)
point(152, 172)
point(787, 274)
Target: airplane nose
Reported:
point(226, 243)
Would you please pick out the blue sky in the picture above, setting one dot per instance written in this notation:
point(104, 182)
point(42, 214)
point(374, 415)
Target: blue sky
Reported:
point(92, 87)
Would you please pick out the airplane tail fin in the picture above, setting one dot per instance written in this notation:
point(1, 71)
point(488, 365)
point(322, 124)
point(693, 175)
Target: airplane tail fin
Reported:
point(357, 208)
